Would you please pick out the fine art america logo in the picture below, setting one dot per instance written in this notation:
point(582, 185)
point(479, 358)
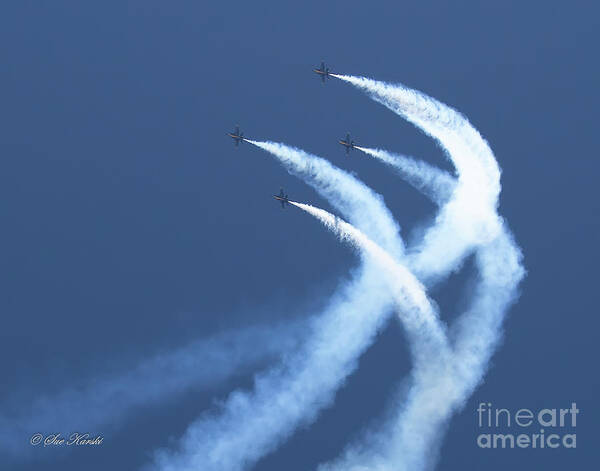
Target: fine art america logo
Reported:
point(546, 428)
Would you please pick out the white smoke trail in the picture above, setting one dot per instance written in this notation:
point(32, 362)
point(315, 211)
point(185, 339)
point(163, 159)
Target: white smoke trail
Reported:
point(469, 218)
point(351, 197)
point(290, 396)
point(450, 128)
point(104, 404)
point(415, 310)
point(249, 425)
point(410, 440)
point(412, 437)
point(430, 180)
point(367, 209)
point(252, 424)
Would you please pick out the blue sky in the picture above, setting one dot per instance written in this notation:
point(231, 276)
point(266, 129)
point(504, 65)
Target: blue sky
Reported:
point(132, 226)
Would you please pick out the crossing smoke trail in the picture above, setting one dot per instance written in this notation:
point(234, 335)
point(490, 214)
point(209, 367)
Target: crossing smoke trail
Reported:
point(469, 218)
point(414, 308)
point(106, 403)
point(431, 181)
point(250, 425)
point(412, 437)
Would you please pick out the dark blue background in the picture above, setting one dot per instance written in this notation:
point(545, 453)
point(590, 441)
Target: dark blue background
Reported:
point(130, 223)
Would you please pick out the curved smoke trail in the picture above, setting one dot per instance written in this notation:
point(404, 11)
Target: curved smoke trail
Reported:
point(106, 403)
point(433, 182)
point(411, 439)
point(450, 128)
point(293, 394)
point(469, 218)
point(439, 388)
point(251, 425)
point(363, 207)
point(414, 309)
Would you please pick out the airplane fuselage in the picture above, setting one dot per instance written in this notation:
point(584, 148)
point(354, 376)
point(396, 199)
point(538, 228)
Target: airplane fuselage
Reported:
point(322, 71)
point(282, 198)
point(237, 138)
point(348, 144)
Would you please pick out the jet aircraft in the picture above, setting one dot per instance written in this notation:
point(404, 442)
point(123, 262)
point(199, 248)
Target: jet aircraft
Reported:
point(282, 198)
point(322, 71)
point(348, 144)
point(236, 135)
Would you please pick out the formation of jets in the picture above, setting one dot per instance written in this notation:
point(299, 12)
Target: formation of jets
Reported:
point(348, 143)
